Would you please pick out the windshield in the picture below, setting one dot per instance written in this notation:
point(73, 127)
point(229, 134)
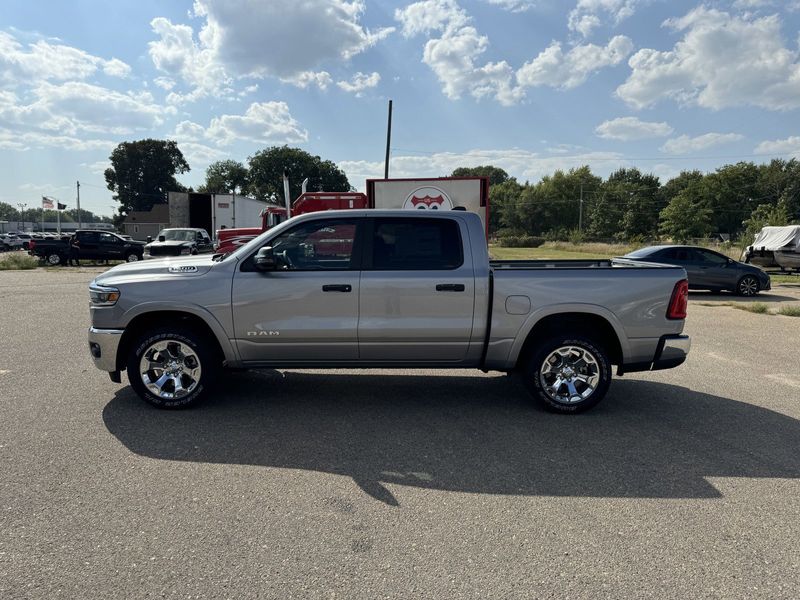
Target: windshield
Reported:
point(177, 235)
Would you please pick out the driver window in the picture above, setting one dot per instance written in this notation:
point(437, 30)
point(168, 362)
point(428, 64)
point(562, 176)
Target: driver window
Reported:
point(315, 246)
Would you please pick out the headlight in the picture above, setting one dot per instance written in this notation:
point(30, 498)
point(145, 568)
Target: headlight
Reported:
point(101, 295)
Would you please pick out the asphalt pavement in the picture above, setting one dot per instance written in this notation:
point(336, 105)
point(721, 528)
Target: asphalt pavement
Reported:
point(397, 484)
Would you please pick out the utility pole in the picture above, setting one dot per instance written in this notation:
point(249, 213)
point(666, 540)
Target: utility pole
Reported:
point(22, 207)
point(580, 211)
point(388, 143)
point(80, 223)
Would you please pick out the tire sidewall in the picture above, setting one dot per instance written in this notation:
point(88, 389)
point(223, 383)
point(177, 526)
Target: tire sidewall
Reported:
point(739, 286)
point(52, 262)
point(131, 257)
point(537, 357)
point(196, 343)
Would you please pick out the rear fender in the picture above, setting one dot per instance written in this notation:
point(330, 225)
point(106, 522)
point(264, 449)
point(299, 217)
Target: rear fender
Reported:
point(562, 309)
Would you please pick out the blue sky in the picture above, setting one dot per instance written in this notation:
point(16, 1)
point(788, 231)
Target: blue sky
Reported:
point(528, 85)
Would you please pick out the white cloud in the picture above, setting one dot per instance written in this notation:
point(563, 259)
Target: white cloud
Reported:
point(304, 79)
point(684, 144)
point(43, 60)
point(453, 55)
point(178, 54)
point(242, 38)
point(786, 147)
point(514, 5)
point(632, 128)
point(94, 108)
point(555, 68)
point(199, 154)
point(723, 60)
point(427, 16)
point(165, 83)
point(116, 68)
point(586, 15)
point(360, 82)
point(187, 130)
point(262, 122)
point(14, 140)
point(97, 168)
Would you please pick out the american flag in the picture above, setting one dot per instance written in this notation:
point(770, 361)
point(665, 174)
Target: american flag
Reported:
point(47, 202)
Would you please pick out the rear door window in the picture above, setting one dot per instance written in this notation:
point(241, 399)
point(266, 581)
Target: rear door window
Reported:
point(416, 244)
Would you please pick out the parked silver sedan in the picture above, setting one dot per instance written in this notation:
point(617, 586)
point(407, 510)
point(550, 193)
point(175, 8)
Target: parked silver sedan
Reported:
point(708, 270)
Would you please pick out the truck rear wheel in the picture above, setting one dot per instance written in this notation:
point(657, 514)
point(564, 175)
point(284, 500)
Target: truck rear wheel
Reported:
point(568, 373)
point(54, 259)
point(172, 368)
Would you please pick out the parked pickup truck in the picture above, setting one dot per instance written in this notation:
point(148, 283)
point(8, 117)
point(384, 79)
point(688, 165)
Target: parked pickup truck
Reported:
point(179, 242)
point(380, 288)
point(92, 245)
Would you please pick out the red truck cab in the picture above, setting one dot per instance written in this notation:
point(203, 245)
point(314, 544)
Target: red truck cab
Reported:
point(229, 240)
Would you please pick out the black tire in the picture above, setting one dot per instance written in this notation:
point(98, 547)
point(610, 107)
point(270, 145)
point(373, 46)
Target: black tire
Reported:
point(748, 286)
point(54, 259)
point(601, 369)
point(132, 257)
point(204, 352)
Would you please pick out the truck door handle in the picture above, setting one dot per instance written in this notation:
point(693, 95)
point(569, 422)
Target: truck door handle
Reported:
point(337, 288)
point(450, 287)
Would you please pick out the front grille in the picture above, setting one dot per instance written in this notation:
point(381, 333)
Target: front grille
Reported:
point(165, 251)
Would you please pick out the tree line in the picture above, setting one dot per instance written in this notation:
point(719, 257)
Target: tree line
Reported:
point(734, 201)
point(9, 212)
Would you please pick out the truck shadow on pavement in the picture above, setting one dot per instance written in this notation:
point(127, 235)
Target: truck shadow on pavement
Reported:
point(468, 434)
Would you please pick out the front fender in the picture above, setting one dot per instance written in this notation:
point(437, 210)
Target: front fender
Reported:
point(228, 349)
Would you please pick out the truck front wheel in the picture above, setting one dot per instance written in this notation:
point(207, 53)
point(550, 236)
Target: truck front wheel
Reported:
point(568, 373)
point(172, 368)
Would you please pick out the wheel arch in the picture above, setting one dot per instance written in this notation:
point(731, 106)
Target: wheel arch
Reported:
point(145, 320)
point(588, 323)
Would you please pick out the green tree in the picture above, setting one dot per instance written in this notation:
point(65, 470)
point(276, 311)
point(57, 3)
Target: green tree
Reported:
point(225, 176)
point(142, 173)
point(496, 175)
point(682, 219)
point(267, 167)
point(502, 198)
point(637, 197)
point(8, 212)
point(604, 218)
point(762, 216)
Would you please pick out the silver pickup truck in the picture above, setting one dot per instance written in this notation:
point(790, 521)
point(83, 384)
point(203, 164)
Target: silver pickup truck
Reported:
point(385, 289)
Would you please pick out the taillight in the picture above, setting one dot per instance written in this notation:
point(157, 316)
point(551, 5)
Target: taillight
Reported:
point(31, 244)
point(679, 301)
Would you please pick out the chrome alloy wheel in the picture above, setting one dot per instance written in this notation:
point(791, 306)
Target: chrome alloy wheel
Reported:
point(170, 369)
point(570, 374)
point(748, 286)
point(132, 258)
point(53, 259)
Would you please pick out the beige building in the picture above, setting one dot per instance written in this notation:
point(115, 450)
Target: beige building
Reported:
point(141, 224)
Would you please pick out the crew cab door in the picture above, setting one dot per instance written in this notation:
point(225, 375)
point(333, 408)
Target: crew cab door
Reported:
point(417, 291)
point(110, 247)
point(307, 309)
point(88, 244)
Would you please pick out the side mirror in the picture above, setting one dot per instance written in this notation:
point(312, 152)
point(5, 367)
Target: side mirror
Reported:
point(162, 238)
point(265, 260)
point(149, 238)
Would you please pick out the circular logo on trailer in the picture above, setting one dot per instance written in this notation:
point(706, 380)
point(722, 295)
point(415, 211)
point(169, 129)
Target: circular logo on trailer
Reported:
point(428, 198)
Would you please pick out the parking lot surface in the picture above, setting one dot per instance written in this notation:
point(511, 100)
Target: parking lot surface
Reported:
point(401, 484)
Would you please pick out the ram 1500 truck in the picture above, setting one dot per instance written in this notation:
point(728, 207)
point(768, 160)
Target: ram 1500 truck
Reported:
point(380, 288)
